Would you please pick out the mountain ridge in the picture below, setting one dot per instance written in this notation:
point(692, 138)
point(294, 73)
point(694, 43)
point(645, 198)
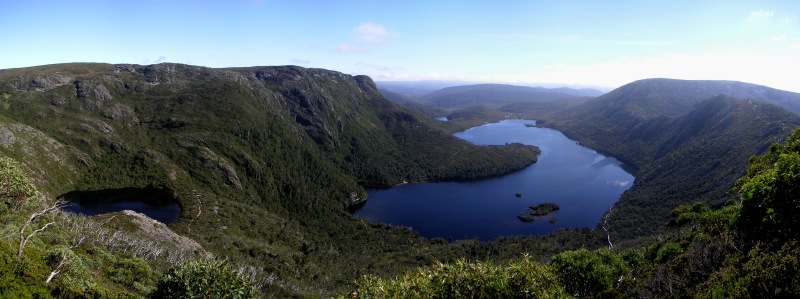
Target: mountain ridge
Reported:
point(666, 138)
point(273, 156)
point(496, 95)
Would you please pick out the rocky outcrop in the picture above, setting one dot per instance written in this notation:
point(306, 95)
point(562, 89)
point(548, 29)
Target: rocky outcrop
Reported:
point(43, 82)
point(100, 92)
point(117, 111)
point(135, 232)
point(160, 232)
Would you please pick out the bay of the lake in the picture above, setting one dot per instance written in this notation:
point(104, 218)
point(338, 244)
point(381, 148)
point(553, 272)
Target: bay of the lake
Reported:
point(157, 204)
point(584, 183)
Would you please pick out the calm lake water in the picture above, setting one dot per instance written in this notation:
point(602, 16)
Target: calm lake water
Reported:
point(584, 183)
point(155, 203)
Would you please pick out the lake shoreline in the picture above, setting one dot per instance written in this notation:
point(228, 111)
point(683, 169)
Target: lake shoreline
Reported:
point(583, 182)
point(403, 183)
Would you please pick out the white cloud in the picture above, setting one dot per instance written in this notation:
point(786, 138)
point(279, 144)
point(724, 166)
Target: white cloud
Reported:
point(378, 68)
point(792, 43)
point(433, 76)
point(779, 38)
point(760, 14)
point(365, 36)
point(348, 47)
point(371, 33)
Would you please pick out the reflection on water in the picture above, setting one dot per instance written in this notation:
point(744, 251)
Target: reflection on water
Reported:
point(581, 181)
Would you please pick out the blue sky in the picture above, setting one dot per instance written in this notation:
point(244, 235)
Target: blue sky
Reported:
point(592, 43)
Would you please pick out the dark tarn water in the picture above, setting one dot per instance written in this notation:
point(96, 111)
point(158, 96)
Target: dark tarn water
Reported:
point(158, 204)
point(584, 183)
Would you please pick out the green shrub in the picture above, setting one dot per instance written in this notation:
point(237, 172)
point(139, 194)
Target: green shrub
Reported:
point(770, 195)
point(461, 279)
point(668, 251)
point(765, 274)
point(133, 273)
point(14, 285)
point(583, 272)
point(204, 279)
point(14, 184)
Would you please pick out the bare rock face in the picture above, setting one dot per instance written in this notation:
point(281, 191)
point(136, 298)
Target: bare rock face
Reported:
point(117, 111)
point(100, 92)
point(6, 137)
point(44, 155)
point(212, 161)
point(80, 89)
point(159, 231)
point(147, 237)
point(58, 101)
point(43, 82)
point(83, 89)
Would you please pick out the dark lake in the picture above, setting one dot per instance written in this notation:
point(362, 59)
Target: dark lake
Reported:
point(582, 182)
point(158, 204)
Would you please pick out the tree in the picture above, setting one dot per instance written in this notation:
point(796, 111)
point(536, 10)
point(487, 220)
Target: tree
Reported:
point(15, 186)
point(36, 215)
point(770, 194)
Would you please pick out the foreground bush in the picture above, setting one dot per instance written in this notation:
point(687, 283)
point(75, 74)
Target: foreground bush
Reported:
point(583, 272)
point(204, 279)
point(461, 279)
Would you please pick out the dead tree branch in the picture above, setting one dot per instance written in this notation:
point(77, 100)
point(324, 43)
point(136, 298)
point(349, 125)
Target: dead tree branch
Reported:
point(607, 227)
point(23, 240)
point(64, 258)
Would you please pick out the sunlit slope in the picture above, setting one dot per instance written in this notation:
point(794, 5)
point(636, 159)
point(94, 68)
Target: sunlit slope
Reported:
point(264, 160)
point(681, 138)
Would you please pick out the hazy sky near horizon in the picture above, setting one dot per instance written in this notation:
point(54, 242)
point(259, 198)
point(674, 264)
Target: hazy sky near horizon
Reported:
point(590, 43)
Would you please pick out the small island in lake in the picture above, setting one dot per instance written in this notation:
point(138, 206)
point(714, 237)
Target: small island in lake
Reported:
point(544, 208)
point(539, 210)
point(525, 218)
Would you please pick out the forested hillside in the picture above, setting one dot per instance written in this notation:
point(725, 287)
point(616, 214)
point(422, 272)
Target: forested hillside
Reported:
point(264, 161)
point(679, 143)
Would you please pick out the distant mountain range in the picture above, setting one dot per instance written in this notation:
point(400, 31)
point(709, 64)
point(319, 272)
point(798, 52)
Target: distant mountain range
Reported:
point(655, 97)
point(496, 95)
point(492, 95)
